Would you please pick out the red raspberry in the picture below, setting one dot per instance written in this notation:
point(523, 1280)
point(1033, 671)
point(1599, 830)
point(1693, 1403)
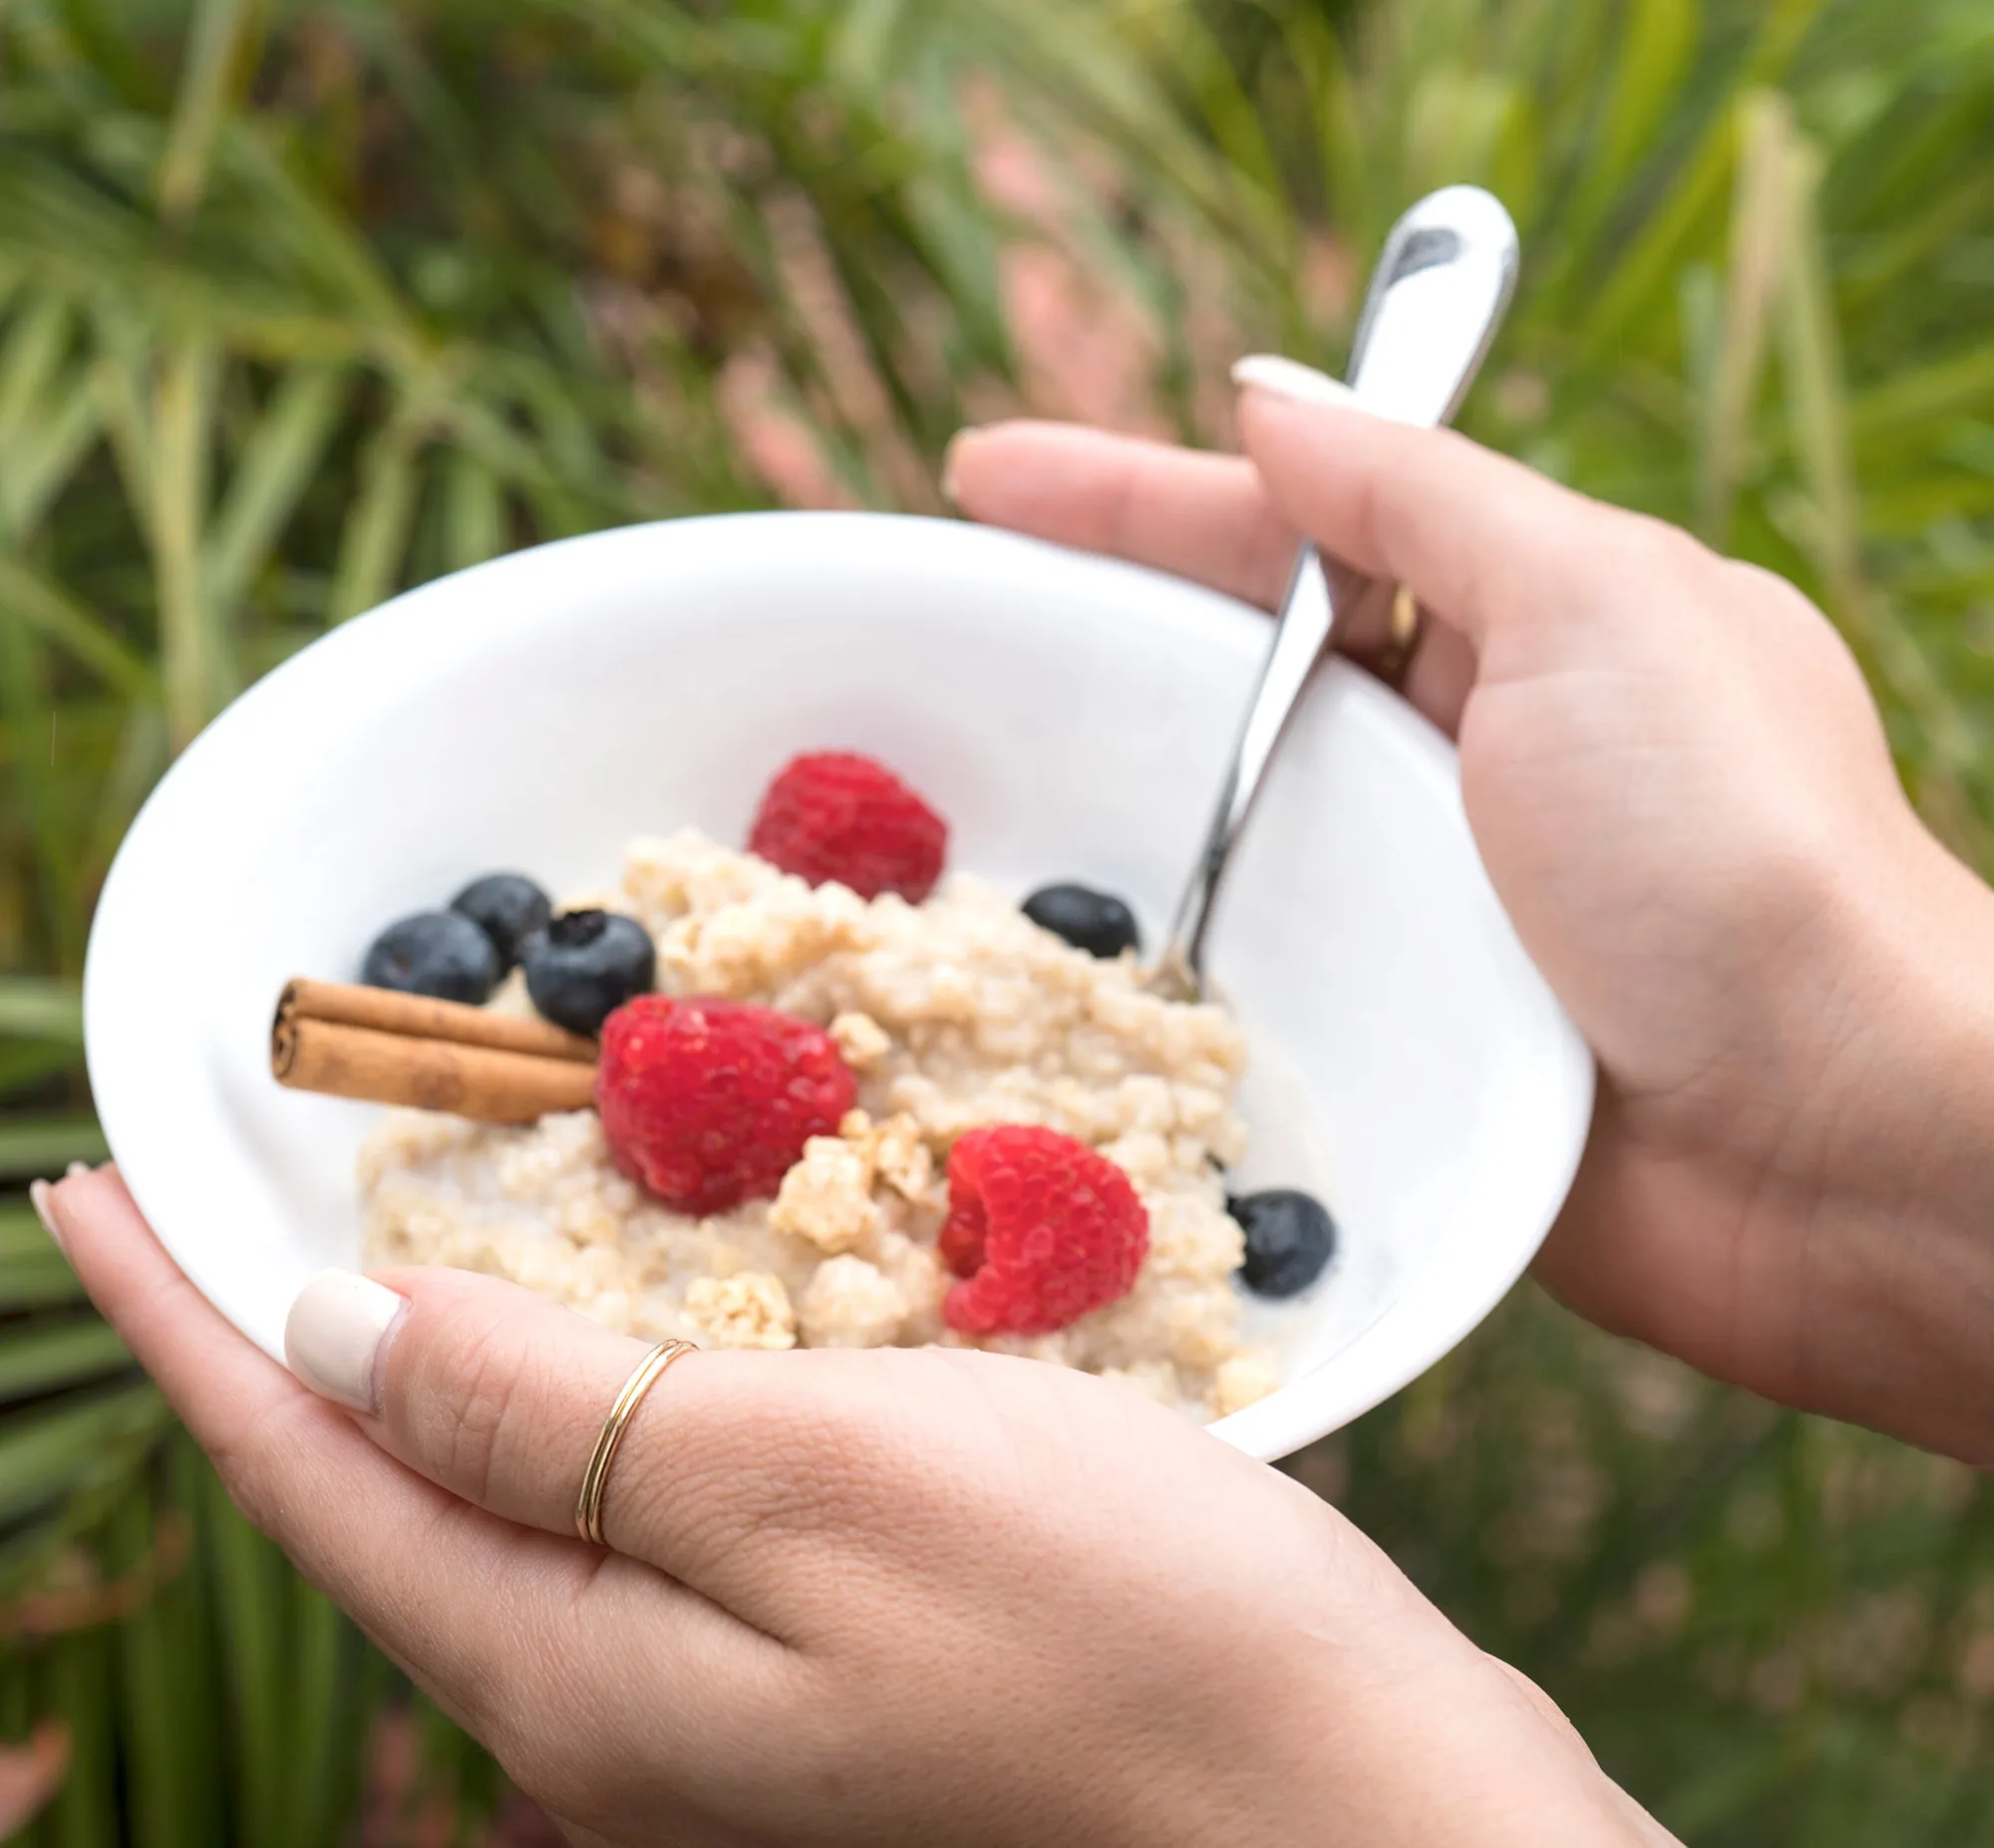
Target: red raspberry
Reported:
point(1042, 1229)
point(708, 1103)
point(831, 814)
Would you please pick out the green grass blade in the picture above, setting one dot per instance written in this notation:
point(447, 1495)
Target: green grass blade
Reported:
point(193, 650)
point(1759, 260)
point(1641, 283)
point(39, 1283)
point(1956, 385)
point(1815, 398)
point(141, 759)
point(473, 513)
point(274, 468)
point(360, 311)
point(41, 1009)
point(39, 1360)
point(247, 1574)
point(1657, 46)
point(22, 1239)
point(1656, 57)
point(42, 1148)
point(20, 1706)
point(45, 457)
point(26, 1064)
point(193, 1636)
point(377, 531)
point(38, 785)
point(85, 1811)
point(117, 381)
point(45, 1454)
point(1951, 213)
point(157, 1697)
point(326, 1733)
point(113, 60)
point(38, 336)
point(1338, 143)
point(1831, 532)
point(68, 625)
point(216, 42)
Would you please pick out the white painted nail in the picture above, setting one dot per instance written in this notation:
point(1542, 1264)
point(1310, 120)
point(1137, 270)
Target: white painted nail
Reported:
point(41, 1197)
point(950, 484)
point(1286, 378)
point(337, 1335)
point(75, 1168)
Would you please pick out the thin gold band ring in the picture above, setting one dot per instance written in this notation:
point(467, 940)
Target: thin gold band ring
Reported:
point(595, 1478)
point(1407, 620)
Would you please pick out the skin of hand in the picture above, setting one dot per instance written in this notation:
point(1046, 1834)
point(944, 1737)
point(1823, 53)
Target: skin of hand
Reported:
point(1680, 789)
point(898, 1596)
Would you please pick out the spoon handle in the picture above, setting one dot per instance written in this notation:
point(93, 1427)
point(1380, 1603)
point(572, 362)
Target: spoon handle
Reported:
point(1441, 284)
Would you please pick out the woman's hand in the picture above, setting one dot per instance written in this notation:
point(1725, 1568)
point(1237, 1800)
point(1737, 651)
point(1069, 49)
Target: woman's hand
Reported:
point(1680, 789)
point(898, 1596)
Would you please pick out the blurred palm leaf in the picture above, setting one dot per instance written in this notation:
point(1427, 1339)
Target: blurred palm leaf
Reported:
point(301, 303)
point(283, 327)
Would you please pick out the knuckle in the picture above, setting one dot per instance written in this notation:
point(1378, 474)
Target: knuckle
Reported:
point(251, 1459)
point(1776, 596)
point(467, 1403)
point(1653, 545)
point(820, 1451)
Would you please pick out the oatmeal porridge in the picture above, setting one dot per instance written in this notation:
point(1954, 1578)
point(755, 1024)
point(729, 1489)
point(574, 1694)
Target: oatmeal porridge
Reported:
point(952, 1013)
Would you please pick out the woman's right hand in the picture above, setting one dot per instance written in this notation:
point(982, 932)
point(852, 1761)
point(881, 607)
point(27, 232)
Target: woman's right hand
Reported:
point(1682, 792)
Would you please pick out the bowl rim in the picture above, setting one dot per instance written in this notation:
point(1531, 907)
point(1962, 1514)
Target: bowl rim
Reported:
point(123, 953)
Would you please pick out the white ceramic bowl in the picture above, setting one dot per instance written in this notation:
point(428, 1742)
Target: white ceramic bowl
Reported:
point(1071, 717)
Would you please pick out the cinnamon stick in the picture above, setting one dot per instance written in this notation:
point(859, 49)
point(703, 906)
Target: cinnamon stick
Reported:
point(386, 1047)
point(422, 1018)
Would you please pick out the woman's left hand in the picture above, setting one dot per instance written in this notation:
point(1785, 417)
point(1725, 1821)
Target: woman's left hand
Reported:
point(850, 1597)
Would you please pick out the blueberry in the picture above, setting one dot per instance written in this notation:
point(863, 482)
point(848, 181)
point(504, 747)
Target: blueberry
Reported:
point(584, 965)
point(1289, 1238)
point(439, 953)
point(1097, 922)
point(507, 908)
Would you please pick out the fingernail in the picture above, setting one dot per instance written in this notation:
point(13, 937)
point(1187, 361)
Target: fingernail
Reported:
point(75, 1168)
point(41, 1196)
point(1286, 378)
point(949, 484)
point(337, 1335)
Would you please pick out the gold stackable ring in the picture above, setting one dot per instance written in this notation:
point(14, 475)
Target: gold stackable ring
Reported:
point(595, 1478)
point(1407, 620)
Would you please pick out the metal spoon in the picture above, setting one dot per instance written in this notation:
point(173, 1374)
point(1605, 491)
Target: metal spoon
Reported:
point(1436, 299)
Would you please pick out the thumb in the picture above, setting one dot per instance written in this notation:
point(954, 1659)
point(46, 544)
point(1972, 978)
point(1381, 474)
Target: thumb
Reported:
point(498, 1395)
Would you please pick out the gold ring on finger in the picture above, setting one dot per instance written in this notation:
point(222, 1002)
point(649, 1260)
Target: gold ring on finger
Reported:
point(595, 1478)
point(1407, 619)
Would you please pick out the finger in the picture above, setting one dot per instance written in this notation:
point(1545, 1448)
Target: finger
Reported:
point(494, 1393)
point(420, 1571)
point(1440, 674)
point(1196, 515)
point(218, 1381)
point(1202, 517)
point(498, 1395)
point(1499, 549)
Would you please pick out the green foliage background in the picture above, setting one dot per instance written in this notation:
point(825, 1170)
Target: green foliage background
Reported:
point(300, 303)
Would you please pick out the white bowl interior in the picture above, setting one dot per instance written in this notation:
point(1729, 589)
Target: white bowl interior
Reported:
point(1070, 716)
